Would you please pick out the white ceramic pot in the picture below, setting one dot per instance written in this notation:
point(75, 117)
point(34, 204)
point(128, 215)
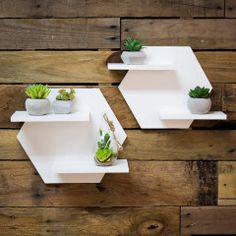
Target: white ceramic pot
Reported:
point(133, 58)
point(199, 105)
point(62, 107)
point(37, 107)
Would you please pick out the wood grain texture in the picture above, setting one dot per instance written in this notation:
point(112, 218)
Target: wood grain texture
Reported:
point(208, 220)
point(57, 67)
point(89, 67)
point(109, 8)
point(59, 33)
point(152, 145)
point(8, 105)
point(230, 8)
point(197, 33)
point(229, 97)
point(89, 221)
point(227, 177)
point(148, 183)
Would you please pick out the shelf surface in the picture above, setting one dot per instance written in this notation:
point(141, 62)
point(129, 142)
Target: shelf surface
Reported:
point(122, 66)
point(186, 115)
point(23, 116)
point(120, 166)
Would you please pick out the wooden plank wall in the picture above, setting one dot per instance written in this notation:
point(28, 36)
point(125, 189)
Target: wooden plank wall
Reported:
point(178, 178)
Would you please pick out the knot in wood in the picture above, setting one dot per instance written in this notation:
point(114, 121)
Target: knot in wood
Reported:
point(150, 228)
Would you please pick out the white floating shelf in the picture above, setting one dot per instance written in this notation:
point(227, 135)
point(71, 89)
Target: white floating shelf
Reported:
point(186, 115)
point(120, 166)
point(66, 142)
point(23, 116)
point(122, 66)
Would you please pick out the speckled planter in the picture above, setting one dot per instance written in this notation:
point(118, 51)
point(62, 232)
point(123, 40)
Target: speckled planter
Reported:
point(106, 163)
point(199, 105)
point(62, 107)
point(37, 107)
point(133, 58)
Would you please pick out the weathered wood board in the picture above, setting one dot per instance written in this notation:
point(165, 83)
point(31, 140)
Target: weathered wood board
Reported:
point(208, 220)
point(108, 8)
point(79, 33)
point(90, 221)
point(149, 183)
point(198, 33)
point(230, 8)
point(227, 181)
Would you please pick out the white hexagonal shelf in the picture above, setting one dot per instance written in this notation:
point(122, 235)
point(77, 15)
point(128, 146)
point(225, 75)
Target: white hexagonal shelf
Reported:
point(157, 91)
point(62, 147)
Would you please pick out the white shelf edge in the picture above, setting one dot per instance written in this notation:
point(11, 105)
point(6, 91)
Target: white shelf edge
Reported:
point(120, 166)
point(23, 116)
point(122, 66)
point(186, 115)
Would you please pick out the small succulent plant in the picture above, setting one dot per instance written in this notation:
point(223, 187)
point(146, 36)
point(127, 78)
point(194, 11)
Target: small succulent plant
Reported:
point(132, 45)
point(66, 96)
point(199, 92)
point(37, 91)
point(104, 152)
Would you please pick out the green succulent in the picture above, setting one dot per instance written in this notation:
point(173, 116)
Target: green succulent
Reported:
point(199, 92)
point(104, 152)
point(65, 96)
point(132, 44)
point(37, 91)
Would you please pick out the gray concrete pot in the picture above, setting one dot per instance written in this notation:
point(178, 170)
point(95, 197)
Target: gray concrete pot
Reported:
point(37, 107)
point(62, 107)
point(199, 105)
point(133, 58)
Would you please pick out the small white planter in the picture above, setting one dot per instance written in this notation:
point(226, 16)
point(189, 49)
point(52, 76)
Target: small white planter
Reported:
point(62, 107)
point(37, 107)
point(133, 58)
point(199, 105)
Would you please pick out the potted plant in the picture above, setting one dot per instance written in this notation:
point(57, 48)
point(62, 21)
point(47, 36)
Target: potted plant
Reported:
point(133, 53)
point(199, 101)
point(64, 101)
point(105, 154)
point(37, 104)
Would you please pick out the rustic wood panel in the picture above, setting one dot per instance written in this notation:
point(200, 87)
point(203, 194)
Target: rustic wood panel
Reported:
point(230, 8)
point(108, 8)
point(57, 67)
point(229, 97)
point(89, 67)
point(59, 33)
point(208, 220)
point(219, 66)
point(153, 145)
point(227, 180)
point(89, 221)
point(197, 33)
point(8, 104)
point(149, 183)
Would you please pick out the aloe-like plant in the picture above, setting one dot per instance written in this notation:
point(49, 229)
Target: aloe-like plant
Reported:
point(104, 152)
point(199, 92)
point(37, 91)
point(65, 96)
point(132, 45)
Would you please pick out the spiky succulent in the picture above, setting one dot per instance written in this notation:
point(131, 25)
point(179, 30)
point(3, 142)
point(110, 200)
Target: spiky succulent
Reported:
point(199, 92)
point(37, 91)
point(104, 152)
point(66, 96)
point(132, 44)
